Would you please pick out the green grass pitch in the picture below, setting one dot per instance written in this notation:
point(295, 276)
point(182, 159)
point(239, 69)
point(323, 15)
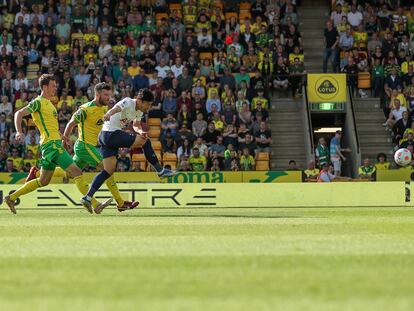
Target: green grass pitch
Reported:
point(208, 259)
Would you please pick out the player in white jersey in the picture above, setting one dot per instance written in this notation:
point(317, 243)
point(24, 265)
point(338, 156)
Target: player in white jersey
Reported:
point(112, 137)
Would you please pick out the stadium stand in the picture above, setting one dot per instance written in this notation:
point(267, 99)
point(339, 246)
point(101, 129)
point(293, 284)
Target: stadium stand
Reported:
point(211, 66)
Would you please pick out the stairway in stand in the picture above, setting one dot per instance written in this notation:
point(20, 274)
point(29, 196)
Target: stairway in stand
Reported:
point(288, 137)
point(312, 18)
point(373, 138)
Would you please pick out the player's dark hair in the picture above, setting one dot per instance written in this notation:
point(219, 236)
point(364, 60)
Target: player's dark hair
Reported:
point(145, 95)
point(45, 79)
point(102, 86)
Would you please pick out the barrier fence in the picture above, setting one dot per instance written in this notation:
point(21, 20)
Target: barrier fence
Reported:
point(364, 194)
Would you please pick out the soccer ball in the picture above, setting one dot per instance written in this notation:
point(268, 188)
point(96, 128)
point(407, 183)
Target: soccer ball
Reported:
point(402, 157)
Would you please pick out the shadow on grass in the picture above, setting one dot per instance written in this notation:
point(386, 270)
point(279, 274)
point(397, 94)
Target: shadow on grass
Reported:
point(200, 216)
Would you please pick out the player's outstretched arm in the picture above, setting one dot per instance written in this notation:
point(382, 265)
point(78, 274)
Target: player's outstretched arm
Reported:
point(68, 130)
point(18, 117)
point(115, 109)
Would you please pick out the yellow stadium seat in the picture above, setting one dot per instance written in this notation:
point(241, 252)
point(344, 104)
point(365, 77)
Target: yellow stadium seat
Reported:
point(263, 156)
point(230, 15)
point(141, 159)
point(245, 6)
point(243, 15)
point(168, 156)
point(154, 121)
point(156, 145)
point(158, 154)
point(154, 133)
point(206, 55)
point(364, 80)
point(175, 6)
point(262, 165)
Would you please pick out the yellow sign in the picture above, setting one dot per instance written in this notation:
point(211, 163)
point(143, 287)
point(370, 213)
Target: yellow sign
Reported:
point(361, 194)
point(326, 88)
point(181, 177)
point(402, 174)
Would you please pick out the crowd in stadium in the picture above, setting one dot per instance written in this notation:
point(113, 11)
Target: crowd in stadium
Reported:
point(211, 65)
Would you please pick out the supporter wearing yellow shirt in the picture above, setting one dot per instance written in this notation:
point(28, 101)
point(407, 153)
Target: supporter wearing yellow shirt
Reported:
point(29, 159)
point(296, 54)
point(21, 102)
point(311, 172)
point(360, 37)
point(16, 159)
point(257, 26)
point(247, 161)
point(366, 170)
point(65, 98)
point(88, 36)
point(197, 162)
point(400, 96)
point(406, 63)
point(134, 69)
point(382, 163)
point(246, 24)
point(119, 48)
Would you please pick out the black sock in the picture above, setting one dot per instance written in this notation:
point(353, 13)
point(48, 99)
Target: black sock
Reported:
point(151, 156)
point(97, 182)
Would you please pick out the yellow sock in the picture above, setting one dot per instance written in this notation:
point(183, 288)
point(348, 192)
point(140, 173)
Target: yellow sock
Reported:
point(83, 188)
point(111, 184)
point(26, 188)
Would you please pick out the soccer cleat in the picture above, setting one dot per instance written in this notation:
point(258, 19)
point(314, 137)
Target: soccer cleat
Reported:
point(86, 202)
point(127, 206)
point(166, 173)
point(10, 204)
point(98, 209)
point(32, 173)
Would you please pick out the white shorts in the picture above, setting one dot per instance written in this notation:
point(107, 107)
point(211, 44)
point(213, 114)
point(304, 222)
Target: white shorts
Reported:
point(336, 164)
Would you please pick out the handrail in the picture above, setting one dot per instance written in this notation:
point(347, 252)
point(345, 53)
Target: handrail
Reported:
point(353, 116)
point(305, 94)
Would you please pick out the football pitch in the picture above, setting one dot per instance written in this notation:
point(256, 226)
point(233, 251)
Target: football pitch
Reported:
point(208, 259)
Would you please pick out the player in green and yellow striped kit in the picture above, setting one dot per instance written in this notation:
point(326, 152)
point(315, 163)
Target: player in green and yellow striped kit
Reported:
point(44, 116)
point(88, 118)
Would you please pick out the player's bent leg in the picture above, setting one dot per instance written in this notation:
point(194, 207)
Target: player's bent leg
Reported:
point(109, 164)
point(153, 160)
point(32, 185)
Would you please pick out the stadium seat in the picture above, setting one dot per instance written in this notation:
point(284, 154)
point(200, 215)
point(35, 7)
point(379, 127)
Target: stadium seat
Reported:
point(364, 80)
point(32, 70)
point(173, 164)
point(159, 17)
point(245, 6)
point(206, 55)
point(262, 165)
point(169, 156)
point(243, 15)
point(154, 122)
point(154, 133)
point(175, 6)
point(139, 157)
point(156, 145)
point(230, 15)
point(263, 156)
point(158, 153)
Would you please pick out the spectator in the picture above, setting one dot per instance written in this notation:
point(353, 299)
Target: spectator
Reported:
point(331, 47)
point(322, 152)
point(169, 104)
point(355, 17)
point(396, 114)
point(199, 126)
point(214, 100)
point(335, 152)
point(263, 138)
point(382, 163)
point(312, 171)
point(247, 162)
point(292, 166)
point(169, 124)
point(401, 126)
point(197, 161)
point(346, 41)
point(168, 142)
point(367, 170)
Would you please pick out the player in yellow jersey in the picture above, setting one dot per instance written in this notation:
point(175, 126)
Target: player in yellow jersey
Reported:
point(88, 118)
point(44, 116)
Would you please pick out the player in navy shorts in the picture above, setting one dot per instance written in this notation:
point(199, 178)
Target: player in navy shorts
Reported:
point(112, 137)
